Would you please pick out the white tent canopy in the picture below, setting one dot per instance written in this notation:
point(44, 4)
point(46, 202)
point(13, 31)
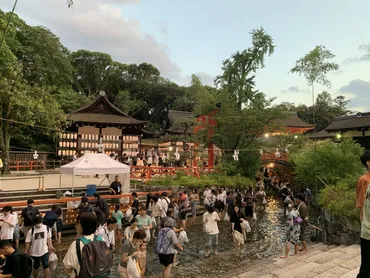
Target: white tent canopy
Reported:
point(101, 164)
point(95, 163)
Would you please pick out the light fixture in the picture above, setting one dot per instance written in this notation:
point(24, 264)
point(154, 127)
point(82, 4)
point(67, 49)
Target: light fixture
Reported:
point(295, 136)
point(271, 165)
point(170, 149)
point(266, 135)
point(339, 135)
point(261, 151)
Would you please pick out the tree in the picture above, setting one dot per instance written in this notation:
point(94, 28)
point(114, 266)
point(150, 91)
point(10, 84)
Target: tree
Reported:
point(45, 61)
point(127, 104)
point(239, 70)
point(314, 66)
point(326, 110)
point(91, 70)
point(70, 100)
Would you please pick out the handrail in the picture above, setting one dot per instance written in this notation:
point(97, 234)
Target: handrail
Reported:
point(68, 199)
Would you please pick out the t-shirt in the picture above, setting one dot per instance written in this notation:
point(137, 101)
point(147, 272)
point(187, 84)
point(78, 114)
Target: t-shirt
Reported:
point(157, 209)
point(108, 236)
point(165, 202)
point(363, 202)
point(129, 233)
point(25, 216)
point(116, 186)
point(39, 240)
point(303, 211)
point(143, 221)
point(7, 231)
point(135, 207)
point(171, 235)
point(236, 218)
point(118, 215)
point(129, 249)
point(70, 260)
point(13, 265)
point(211, 226)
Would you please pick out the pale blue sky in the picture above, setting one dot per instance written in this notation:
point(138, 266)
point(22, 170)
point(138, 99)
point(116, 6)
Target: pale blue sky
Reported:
point(194, 36)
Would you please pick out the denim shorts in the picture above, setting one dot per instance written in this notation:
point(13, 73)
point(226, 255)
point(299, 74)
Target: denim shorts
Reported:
point(212, 240)
point(43, 259)
point(16, 231)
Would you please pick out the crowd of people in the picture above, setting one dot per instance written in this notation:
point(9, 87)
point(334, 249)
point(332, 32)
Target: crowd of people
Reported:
point(160, 221)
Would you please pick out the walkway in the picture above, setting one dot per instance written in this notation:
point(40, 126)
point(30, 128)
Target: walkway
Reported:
point(321, 261)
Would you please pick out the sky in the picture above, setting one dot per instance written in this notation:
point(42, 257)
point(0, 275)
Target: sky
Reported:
point(185, 37)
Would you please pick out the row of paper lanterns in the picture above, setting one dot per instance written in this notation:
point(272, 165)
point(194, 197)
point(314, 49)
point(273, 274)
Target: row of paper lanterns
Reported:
point(67, 144)
point(68, 135)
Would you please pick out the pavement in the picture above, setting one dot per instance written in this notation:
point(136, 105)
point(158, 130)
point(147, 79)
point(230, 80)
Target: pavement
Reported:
point(321, 261)
point(32, 180)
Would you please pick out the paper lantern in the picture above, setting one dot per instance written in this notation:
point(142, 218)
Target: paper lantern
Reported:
point(67, 144)
point(63, 152)
point(59, 152)
point(75, 136)
point(75, 144)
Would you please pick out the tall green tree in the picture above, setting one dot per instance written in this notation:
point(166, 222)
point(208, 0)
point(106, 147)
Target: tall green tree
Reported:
point(238, 76)
point(91, 70)
point(315, 66)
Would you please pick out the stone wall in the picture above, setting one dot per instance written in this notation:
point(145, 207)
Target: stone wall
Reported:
point(339, 230)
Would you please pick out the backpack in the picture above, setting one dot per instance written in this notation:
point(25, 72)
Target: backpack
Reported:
point(26, 262)
point(50, 219)
point(162, 243)
point(95, 260)
point(31, 214)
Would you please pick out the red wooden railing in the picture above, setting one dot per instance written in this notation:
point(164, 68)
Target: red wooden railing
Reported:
point(272, 156)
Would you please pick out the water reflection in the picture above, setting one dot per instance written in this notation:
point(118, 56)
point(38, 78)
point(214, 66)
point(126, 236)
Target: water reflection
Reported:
point(263, 241)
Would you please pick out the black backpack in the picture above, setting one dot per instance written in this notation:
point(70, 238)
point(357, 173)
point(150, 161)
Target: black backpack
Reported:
point(26, 262)
point(170, 205)
point(95, 260)
point(31, 214)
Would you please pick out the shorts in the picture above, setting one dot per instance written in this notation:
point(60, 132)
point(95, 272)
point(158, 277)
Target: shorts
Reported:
point(43, 259)
point(59, 225)
point(16, 232)
point(182, 215)
point(212, 240)
point(303, 235)
point(166, 259)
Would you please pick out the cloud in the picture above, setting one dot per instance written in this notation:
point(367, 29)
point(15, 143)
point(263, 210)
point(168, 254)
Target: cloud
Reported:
point(99, 25)
point(294, 90)
point(358, 92)
point(365, 57)
point(163, 27)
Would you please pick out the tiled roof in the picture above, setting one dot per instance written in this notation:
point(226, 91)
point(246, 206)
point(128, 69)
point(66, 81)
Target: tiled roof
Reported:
point(294, 121)
point(101, 110)
point(350, 122)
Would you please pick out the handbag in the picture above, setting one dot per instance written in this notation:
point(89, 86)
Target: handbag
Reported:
point(133, 269)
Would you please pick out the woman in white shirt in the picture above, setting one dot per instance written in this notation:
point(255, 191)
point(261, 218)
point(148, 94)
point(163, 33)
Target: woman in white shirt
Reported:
point(7, 222)
point(210, 219)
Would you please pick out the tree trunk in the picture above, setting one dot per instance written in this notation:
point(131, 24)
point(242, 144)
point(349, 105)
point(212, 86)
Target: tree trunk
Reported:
point(5, 146)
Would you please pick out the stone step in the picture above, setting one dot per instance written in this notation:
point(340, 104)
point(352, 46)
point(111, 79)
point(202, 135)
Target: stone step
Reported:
point(352, 274)
point(320, 261)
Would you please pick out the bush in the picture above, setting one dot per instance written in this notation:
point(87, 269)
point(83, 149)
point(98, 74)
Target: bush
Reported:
point(340, 199)
point(334, 162)
point(205, 180)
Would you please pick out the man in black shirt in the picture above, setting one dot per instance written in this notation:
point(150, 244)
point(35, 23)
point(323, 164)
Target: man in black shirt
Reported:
point(28, 214)
point(115, 187)
point(17, 265)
